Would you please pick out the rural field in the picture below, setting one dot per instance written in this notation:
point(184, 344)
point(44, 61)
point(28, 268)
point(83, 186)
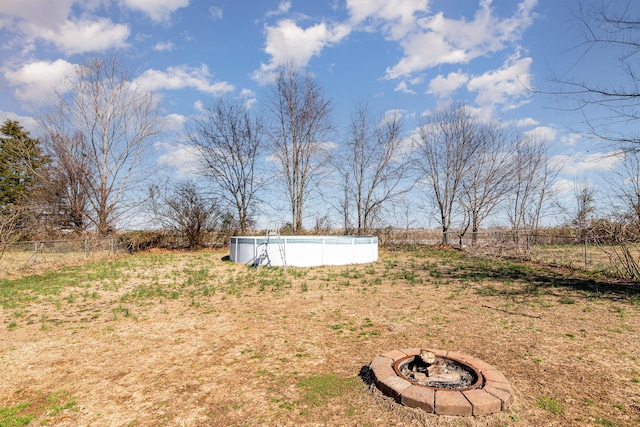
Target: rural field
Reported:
point(190, 339)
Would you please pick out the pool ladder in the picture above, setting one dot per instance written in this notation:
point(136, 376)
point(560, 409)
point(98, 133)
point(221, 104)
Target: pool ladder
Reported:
point(274, 231)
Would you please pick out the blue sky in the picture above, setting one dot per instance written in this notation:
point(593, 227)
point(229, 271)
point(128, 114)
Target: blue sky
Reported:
point(405, 55)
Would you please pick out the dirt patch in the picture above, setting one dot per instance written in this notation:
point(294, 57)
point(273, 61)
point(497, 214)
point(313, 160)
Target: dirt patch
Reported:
point(188, 339)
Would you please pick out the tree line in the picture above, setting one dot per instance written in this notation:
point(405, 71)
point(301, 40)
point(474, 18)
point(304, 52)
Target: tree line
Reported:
point(89, 168)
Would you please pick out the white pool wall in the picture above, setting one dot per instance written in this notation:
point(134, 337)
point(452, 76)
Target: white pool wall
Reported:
point(304, 251)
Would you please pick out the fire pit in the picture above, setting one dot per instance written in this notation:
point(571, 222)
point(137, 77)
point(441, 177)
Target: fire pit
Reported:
point(441, 382)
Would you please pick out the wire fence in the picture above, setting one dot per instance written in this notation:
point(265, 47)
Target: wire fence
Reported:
point(34, 256)
point(572, 251)
point(619, 259)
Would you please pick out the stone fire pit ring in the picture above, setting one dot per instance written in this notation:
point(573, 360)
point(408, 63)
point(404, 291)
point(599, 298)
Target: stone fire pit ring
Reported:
point(489, 393)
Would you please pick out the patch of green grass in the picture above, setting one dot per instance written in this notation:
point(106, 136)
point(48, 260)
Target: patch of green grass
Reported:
point(10, 416)
point(549, 404)
point(121, 311)
point(566, 300)
point(59, 401)
point(318, 390)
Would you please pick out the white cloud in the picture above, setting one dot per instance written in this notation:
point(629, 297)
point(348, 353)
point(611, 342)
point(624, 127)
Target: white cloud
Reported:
point(442, 86)
point(163, 46)
point(571, 139)
point(34, 81)
point(249, 98)
point(182, 158)
point(29, 123)
point(86, 36)
point(157, 10)
point(542, 133)
point(181, 77)
point(216, 13)
point(283, 7)
point(397, 17)
point(174, 122)
point(429, 40)
point(404, 88)
point(287, 43)
point(44, 14)
point(563, 187)
point(581, 164)
point(67, 24)
point(527, 122)
point(503, 85)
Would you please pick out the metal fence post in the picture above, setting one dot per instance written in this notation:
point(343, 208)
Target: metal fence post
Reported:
point(35, 252)
point(86, 248)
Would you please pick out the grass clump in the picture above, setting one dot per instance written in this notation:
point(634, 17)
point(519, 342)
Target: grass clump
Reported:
point(10, 416)
point(319, 389)
point(550, 404)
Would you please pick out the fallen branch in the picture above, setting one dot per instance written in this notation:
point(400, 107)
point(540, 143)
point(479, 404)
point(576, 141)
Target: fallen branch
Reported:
point(512, 312)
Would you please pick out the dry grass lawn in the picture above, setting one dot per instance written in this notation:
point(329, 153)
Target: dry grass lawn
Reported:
point(188, 339)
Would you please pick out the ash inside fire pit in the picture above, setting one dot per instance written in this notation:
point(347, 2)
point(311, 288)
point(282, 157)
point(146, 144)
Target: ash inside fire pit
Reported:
point(437, 372)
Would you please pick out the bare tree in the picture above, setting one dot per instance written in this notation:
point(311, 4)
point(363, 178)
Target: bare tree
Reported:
point(584, 195)
point(533, 179)
point(63, 190)
point(489, 177)
point(375, 166)
point(301, 117)
point(111, 122)
point(625, 187)
point(447, 144)
point(610, 108)
point(229, 140)
point(185, 209)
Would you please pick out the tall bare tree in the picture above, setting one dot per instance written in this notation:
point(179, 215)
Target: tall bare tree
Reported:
point(110, 122)
point(533, 179)
point(302, 120)
point(230, 141)
point(489, 177)
point(375, 166)
point(447, 144)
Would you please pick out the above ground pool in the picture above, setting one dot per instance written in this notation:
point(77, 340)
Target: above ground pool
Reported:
point(303, 251)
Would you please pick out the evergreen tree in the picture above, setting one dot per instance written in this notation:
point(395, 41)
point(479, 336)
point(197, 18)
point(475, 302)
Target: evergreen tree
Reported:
point(20, 158)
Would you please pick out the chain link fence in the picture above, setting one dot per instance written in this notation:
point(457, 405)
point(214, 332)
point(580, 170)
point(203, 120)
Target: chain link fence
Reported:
point(18, 257)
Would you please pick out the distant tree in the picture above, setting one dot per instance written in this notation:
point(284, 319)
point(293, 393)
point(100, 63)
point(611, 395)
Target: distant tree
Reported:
point(624, 187)
point(184, 208)
point(110, 122)
point(301, 117)
point(533, 179)
point(447, 144)
point(610, 107)
point(585, 198)
point(64, 187)
point(490, 176)
point(230, 140)
point(375, 166)
point(21, 159)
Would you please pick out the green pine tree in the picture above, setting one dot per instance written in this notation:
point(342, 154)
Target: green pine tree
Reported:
point(20, 159)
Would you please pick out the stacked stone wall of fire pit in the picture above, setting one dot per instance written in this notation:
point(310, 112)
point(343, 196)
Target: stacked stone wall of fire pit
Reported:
point(490, 394)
